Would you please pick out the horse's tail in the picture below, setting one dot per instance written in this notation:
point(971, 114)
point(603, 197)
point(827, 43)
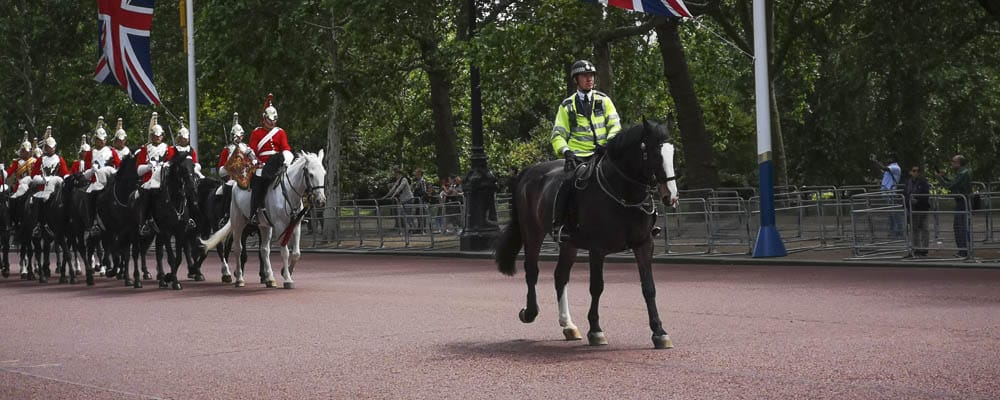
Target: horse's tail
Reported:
point(217, 237)
point(509, 243)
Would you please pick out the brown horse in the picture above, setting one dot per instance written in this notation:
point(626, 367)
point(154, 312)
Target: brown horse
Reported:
point(615, 212)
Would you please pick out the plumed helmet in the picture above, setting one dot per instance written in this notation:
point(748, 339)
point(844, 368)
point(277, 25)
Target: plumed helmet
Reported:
point(48, 139)
point(120, 131)
point(184, 133)
point(26, 143)
point(100, 132)
point(154, 128)
point(237, 129)
point(580, 67)
point(84, 147)
point(270, 112)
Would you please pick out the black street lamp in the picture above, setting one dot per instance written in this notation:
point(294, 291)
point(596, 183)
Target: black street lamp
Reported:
point(480, 186)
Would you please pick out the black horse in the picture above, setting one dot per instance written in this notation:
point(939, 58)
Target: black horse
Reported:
point(614, 212)
point(5, 229)
point(173, 206)
point(213, 213)
point(24, 221)
point(120, 231)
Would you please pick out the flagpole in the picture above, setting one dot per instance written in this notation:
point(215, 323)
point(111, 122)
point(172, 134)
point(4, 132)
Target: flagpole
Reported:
point(768, 242)
point(192, 93)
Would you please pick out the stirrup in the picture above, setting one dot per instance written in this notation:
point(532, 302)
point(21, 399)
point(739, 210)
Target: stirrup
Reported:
point(191, 224)
point(559, 235)
point(655, 231)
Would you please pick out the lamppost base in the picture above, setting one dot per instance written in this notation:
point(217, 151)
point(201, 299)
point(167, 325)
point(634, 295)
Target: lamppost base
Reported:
point(769, 243)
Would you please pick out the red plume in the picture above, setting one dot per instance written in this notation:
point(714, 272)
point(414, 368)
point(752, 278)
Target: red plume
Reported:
point(267, 103)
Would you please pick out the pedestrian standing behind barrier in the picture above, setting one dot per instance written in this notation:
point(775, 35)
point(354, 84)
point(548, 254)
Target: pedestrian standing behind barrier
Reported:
point(891, 175)
point(917, 206)
point(961, 184)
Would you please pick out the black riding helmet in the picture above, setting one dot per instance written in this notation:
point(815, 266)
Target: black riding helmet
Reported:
point(580, 67)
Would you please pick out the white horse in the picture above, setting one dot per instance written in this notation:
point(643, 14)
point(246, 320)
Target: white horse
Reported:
point(306, 175)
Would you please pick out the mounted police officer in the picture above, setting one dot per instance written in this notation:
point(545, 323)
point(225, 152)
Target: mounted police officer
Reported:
point(270, 144)
point(584, 123)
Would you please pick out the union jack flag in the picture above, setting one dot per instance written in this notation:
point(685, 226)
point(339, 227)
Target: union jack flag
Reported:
point(670, 8)
point(124, 48)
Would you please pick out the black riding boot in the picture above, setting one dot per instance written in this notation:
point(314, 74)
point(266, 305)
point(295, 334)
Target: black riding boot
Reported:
point(561, 231)
point(148, 226)
point(258, 187)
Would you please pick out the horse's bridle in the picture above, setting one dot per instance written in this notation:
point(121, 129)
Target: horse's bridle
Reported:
point(309, 191)
point(641, 205)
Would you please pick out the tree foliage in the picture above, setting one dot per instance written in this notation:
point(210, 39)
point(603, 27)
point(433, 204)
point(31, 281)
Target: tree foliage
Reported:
point(849, 81)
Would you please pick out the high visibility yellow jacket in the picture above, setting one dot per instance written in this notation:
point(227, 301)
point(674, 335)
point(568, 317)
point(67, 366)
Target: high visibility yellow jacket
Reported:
point(580, 133)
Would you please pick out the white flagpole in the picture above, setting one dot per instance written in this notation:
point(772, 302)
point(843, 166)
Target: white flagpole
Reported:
point(192, 93)
point(769, 243)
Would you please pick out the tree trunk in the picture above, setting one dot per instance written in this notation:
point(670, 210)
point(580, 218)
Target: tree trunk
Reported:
point(697, 142)
point(331, 215)
point(444, 127)
point(602, 61)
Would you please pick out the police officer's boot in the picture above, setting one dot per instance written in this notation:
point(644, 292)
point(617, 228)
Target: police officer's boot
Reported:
point(560, 232)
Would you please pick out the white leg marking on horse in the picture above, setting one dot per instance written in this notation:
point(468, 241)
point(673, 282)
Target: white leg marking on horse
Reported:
point(564, 319)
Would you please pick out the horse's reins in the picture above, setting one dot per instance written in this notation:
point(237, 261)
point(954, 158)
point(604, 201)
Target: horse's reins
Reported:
point(641, 205)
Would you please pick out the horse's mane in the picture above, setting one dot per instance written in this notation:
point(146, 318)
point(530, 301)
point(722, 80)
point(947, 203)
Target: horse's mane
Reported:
point(631, 137)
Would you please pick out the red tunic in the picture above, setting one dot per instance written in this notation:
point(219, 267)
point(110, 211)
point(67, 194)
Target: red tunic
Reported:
point(12, 169)
point(224, 157)
point(78, 167)
point(115, 160)
point(264, 147)
point(61, 169)
point(142, 158)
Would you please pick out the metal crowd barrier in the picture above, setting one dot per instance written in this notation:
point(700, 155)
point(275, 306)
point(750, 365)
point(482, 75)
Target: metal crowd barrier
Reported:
point(949, 219)
point(878, 225)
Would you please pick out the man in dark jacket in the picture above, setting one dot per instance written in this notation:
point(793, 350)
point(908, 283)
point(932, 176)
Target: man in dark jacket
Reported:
point(960, 184)
point(917, 206)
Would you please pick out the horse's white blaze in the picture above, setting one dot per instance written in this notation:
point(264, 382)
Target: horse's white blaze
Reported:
point(564, 319)
point(667, 151)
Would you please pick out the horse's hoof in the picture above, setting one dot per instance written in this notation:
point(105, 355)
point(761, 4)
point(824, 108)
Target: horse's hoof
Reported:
point(263, 280)
point(572, 333)
point(163, 284)
point(5, 273)
point(662, 342)
point(199, 278)
point(176, 286)
point(63, 279)
point(241, 284)
point(147, 276)
point(288, 285)
point(271, 284)
point(110, 273)
point(227, 279)
point(90, 281)
point(190, 275)
point(137, 284)
point(73, 281)
point(597, 339)
point(43, 279)
point(524, 317)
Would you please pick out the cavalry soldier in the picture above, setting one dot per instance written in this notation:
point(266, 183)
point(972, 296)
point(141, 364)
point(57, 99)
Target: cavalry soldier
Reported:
point(21, 167)
point(80, 165)
point(101, 155)
point(270, 144)
point(183, 144)
point(119, 142)
point(235, 145)
point(149, 159)
point(584, 123)
point(51, 164)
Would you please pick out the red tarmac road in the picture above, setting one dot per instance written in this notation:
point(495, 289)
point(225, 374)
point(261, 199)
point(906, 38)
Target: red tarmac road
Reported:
point(430, 328)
